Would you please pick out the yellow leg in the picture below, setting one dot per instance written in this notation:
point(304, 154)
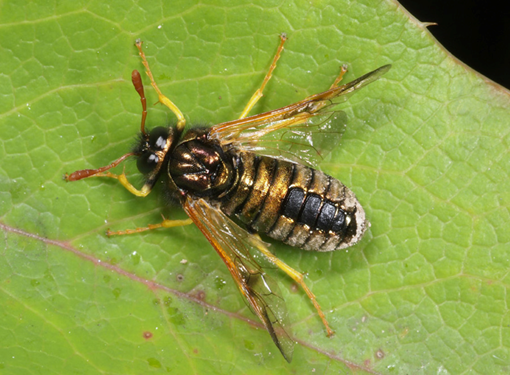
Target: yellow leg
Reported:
point(298, 278)
point(343, 70)
point(143, 192)
point(181, 121)
point(103, 172)
point(164, 224)
point(258, 94)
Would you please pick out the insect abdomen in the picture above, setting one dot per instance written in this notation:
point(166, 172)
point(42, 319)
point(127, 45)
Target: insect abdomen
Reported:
point(298, 205)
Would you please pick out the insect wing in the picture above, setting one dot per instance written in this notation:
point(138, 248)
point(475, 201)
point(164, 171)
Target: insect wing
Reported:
point(303, 132)
point(305, 139)
point(233, 244)
point(361, 82)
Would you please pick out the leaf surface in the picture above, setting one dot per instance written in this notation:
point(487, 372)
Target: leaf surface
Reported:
point(426, 151)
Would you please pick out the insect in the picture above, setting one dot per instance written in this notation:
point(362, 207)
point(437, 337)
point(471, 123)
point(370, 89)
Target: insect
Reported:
point(257, 170)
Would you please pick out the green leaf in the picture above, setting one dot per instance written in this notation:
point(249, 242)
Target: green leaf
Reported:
point(426, 151)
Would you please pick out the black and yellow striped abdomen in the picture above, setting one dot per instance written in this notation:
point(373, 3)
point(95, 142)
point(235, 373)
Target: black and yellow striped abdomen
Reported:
point(298, 205)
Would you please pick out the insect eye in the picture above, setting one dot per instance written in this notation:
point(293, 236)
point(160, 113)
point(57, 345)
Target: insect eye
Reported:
point(157, 138)
point(147, 162)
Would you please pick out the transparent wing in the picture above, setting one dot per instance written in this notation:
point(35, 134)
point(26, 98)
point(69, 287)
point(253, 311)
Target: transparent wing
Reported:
point(308, 140)
point(304, 132)
point(233, 245)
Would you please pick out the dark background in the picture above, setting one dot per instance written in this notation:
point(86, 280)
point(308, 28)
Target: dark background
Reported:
point(476, 32)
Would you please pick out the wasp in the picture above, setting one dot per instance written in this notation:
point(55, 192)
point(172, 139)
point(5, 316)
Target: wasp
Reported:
point(255, 174)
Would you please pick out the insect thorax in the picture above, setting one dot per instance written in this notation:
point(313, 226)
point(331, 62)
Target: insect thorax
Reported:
point(200, 166)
